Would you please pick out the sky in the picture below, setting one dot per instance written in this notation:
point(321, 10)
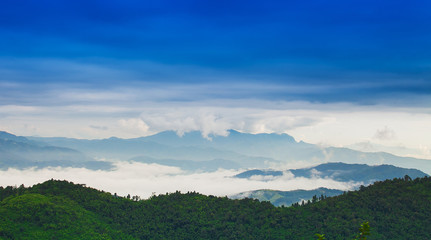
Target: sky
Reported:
point(340, 73)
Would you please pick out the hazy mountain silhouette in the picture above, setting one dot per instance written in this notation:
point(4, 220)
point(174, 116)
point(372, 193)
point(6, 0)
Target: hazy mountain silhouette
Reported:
point(247, 150)
point(19, 152)
point(286, 198)
point(338, 171)
point(341, 172)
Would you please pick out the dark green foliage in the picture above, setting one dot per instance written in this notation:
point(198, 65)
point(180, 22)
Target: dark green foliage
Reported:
point(320, 236)
point(396, 209)
point(36, 216)
point(364, 231)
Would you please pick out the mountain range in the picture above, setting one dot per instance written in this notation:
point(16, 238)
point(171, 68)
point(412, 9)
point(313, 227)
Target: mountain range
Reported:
point(20, 152)
point(190, 152)
point(244, 149)
point(359, 173)
point(340, 172)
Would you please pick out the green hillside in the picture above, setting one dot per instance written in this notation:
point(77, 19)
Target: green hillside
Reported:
point(395, 209)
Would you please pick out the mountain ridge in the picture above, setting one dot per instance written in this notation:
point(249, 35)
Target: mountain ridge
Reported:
point(341, 172)
point(245, 149)
point(270, 148)
point(19, 152)
point(359, 173)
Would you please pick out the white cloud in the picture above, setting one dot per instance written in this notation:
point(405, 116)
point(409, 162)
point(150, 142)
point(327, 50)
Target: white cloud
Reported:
point(144, 179)
point(185, 119)
point(140, 108)
point(134, 124)
point(315, 173)
point(324, 124)
point(217, 120)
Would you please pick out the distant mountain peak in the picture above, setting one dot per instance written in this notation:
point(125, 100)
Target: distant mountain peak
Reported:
point(5, 134)
point(232, 131)
point(11, 137)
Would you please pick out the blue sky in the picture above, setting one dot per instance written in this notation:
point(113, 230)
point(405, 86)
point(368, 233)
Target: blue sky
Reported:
point(384, 45)
point(303, 63)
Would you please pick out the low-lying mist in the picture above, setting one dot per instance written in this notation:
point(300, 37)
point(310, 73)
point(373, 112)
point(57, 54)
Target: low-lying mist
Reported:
point(145, 180)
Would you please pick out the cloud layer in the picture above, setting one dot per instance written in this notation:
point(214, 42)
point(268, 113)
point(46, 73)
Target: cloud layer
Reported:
point(147, 179)
point(75, 110)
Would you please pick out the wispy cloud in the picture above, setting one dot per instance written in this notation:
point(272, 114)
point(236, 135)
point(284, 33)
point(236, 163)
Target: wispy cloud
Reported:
point(105, 128)
point(217, 120)
point(38, 80)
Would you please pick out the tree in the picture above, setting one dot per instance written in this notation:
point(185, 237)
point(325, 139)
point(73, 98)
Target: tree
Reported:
point(364, 231)
point(407, 178)
point(320, 236)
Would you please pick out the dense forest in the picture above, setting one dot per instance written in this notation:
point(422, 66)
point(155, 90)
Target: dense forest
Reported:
point(395, 209)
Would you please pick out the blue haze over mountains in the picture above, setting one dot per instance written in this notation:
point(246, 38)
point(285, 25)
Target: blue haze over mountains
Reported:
point(337, 171)
point(237, 150)
point(19, 152)
point(260, 153)
point(341, 172)
point(286, 198)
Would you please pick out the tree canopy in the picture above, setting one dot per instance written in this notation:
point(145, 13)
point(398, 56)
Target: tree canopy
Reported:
point(396, 209)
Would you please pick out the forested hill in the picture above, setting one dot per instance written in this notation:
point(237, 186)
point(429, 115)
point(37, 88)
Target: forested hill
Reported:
point(395, 209)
